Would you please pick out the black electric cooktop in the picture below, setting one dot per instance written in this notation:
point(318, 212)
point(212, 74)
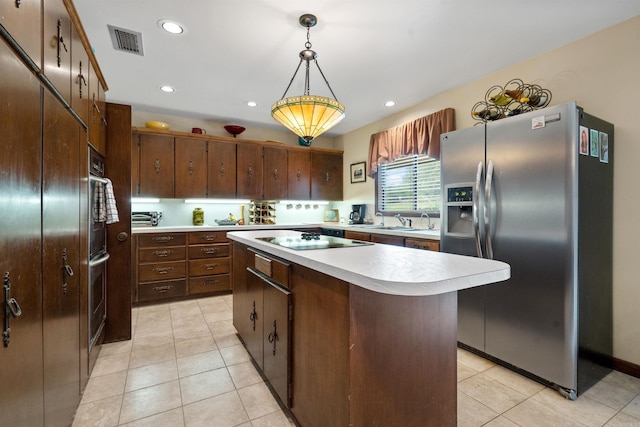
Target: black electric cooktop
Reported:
point(307, 241)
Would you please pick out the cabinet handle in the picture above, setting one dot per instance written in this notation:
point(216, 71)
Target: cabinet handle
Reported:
point(163, 253)
point(190, 167)
point(210, 282)
point(162, 270)
point(81, 80)
point(326, 178)
point(162, 239)
point(67, 271)
point(210, 266)
point(163, 289)
point(18, 4)
point(11, 310)
point(299, 174)
point(209, 237)
point(275, 174)
point(209, 251)
point(253, 315)
point(273, 337)
point(157, 166)
point(60, 41)
point(250, 171)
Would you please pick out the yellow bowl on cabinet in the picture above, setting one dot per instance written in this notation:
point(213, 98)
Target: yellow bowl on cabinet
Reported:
point(157, 125)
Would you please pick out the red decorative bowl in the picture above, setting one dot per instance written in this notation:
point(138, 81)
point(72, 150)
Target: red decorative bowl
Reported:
point(234, 129)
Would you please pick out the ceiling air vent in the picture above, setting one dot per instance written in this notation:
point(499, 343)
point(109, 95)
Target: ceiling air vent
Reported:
point(126, 40)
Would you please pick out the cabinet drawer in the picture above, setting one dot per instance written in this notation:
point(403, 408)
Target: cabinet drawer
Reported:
point(206, 267)
point(204, 284)
point(208, 237)
point(161, 239)
point(208, 251)
point(429, 245)
point(355, 235)
point(388, 240)
point(161, 271)
point(161, 290)
point(275, 269)
point(162, 254)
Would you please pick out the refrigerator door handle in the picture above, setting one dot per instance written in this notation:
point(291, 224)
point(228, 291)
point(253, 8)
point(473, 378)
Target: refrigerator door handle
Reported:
point(487, 209)
point(476, 208)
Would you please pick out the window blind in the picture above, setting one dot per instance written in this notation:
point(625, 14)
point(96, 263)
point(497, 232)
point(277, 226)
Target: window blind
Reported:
point(411, 183)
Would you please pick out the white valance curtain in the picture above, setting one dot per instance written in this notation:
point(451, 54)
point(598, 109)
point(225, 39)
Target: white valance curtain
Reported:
point(421, 136)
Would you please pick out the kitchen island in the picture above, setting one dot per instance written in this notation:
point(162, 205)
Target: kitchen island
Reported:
point(362, 335)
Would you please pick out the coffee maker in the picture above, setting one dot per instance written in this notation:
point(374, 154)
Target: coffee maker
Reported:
point(356, 216)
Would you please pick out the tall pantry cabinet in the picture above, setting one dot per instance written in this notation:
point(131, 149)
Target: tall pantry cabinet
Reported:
point(43, 211)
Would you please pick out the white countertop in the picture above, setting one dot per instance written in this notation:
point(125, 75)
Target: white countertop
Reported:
point(417, 233)
point(385, 268)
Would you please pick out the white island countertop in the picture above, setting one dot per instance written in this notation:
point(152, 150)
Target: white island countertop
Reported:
point(386, 269)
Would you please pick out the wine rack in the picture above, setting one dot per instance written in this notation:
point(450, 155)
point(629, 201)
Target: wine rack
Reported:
point(515, 97)
point(262, 212)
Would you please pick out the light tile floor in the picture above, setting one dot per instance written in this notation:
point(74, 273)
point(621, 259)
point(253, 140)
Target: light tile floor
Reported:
point(186, 367)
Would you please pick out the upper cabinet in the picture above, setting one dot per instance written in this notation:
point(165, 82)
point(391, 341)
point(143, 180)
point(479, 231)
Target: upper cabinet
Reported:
point(249, 178)
point(275, 173)
point(190, 168)
point(79, 77)
point(168, 164)
point(57, 47)
point(326, 175)
point(221, 169)
point(22, 20)
point(155, 166)
point(299, 174)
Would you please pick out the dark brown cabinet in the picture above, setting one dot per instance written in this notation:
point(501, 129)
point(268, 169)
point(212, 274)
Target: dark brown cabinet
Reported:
point(275, 173)
point(190, 168)
point(425, 244)
point(60, 262)
point(57, 47)
point(21, 396)
point(23, 21)
point(299, 174)
point(326, 176)
point(265, 300)
point(221, 169)
point(79, 77)
point(250, 171)
point(155, 166)
point(97, 112)
point(176, 265)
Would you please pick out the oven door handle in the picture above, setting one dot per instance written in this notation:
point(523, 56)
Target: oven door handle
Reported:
point(98, 261)
point(97, 178)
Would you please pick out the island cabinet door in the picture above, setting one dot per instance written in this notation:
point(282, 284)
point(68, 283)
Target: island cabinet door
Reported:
point(253, 335)
point(277, 306)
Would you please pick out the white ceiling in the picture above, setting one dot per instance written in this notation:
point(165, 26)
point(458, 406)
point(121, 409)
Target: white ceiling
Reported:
point(370, 51)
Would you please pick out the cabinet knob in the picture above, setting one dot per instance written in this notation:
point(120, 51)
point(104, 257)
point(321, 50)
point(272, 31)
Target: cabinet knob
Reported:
point(122, 236)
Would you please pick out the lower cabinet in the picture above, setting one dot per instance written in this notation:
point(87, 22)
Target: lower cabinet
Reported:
point(263, 320)
point(175, 265)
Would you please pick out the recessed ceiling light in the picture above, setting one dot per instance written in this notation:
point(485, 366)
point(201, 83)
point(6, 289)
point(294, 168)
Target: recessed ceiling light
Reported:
point(171, 26)
point(252, 104)
point(167, 89)
point(389, 103)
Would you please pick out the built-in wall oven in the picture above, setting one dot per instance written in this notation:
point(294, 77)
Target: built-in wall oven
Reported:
point(98, 255)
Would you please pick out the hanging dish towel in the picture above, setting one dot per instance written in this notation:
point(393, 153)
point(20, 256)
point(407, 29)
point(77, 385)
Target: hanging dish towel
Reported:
point(110, 205)
point(99, 207)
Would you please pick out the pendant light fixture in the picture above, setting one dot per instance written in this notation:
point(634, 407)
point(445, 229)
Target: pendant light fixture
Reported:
point(308, 115)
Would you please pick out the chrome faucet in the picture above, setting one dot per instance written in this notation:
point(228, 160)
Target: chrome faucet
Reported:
point(401, 219)
point(381, 218)
point(429, 226)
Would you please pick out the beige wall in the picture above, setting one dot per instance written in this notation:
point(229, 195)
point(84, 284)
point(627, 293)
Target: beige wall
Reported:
point(600, 72)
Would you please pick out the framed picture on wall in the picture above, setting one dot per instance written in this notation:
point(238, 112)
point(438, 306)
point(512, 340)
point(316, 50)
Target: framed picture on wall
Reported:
point(331, 215)
point(358, 172)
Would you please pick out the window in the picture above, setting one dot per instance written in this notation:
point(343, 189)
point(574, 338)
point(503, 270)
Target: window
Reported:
point(409, 184)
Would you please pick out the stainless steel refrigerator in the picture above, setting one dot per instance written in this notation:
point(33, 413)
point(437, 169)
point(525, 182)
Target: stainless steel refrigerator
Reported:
point(530, 191)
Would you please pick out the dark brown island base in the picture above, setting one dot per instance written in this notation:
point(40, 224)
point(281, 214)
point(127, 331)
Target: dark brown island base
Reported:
point(354, 336)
